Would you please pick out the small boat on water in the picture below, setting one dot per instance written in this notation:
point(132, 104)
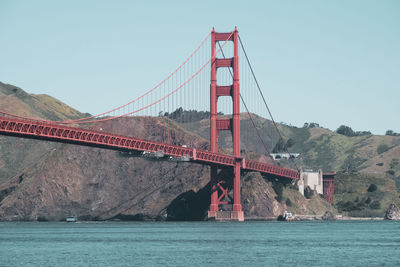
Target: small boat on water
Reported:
point(71, 219)
point(287, 216)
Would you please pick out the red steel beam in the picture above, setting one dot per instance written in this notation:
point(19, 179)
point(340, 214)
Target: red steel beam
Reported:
point(224, 62)
point(224, 90)
point(223, 36)
point(224, 124)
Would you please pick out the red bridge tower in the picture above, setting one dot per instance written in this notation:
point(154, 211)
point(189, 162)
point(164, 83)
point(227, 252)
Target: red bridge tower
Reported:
point(218, 189)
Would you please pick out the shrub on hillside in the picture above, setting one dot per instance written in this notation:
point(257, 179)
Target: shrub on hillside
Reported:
point(347, 131)
point(382, 148)
point(185, 115)
point(289, 142)
point(363, 133)
point(375, 205)
point(278, 188)
point(308, 192)
point(347, 206)
point(392, 133)
point(289, 202)
point(279, 147)
point(390, 172)
point(372, 188)
point(310, 125)
point(394, 163)
point(351, 164)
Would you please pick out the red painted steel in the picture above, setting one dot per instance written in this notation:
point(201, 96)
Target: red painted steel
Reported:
point(213, 124)
point(237, 206)
point(224, 90)
point(224, 62)
point(225, 124)
point(329, 186)
point(222, 36)
point(73, 135)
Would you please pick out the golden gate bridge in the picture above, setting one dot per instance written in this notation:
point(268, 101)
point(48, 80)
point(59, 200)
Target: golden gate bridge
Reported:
point(209, 77)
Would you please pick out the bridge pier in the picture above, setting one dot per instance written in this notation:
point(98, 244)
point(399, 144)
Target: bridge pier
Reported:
point(214, 192)
point(236, 188)
point(219, 196)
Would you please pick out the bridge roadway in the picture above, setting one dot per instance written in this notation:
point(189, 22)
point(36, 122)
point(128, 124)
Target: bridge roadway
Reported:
point(73, 135)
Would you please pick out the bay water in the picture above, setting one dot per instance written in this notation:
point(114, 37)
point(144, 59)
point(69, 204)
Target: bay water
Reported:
point(307, 243)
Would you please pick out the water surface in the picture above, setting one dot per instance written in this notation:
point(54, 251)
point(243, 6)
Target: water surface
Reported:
point(339, 243)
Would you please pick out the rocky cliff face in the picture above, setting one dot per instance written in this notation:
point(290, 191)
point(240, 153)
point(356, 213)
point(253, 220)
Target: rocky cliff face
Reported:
point(392, 213)
point(96, 184)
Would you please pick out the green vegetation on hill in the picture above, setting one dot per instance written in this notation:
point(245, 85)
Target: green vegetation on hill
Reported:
point(392, 133)
point(347, 131)
point(363, 195)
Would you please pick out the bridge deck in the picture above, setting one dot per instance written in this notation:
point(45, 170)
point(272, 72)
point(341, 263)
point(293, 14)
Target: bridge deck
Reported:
point(74, 135)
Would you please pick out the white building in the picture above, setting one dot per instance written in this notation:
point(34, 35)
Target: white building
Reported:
point(311, 179)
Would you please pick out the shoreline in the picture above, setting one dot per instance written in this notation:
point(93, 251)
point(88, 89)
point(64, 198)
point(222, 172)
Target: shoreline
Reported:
point(295, 218)
point(318, 218)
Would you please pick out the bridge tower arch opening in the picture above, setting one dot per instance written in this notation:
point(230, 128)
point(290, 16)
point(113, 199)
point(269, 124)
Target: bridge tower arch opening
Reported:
point(218, 187)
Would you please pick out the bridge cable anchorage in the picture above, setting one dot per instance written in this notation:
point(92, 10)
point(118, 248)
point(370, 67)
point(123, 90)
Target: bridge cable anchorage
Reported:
point(265, 103)
point(248, 113)
point(120, 107)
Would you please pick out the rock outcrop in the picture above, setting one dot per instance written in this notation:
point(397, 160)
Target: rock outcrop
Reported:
point(259, 198)
point(328, 216)
point(392, 213)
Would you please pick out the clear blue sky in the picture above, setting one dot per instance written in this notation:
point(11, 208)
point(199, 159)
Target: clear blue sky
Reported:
point(342, 58)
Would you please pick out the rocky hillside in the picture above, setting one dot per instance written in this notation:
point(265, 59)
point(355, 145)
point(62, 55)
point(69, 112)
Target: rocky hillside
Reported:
point(14, 99)
point(18, 154)
point(49, 181)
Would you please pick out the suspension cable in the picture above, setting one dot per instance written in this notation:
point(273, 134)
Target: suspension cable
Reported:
point(247, 110)
point(265, 102)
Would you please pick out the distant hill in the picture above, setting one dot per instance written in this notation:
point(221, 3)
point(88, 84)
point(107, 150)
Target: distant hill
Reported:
point(14, 99)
